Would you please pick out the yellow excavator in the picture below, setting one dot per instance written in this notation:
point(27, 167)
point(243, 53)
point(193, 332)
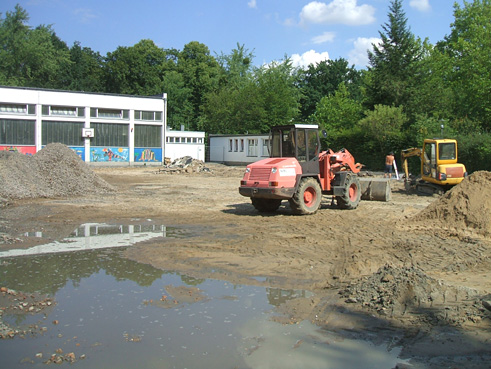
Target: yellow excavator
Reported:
point(440, 170)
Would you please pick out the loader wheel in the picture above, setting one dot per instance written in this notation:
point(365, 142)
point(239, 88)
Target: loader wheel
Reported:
point(352, 193)
point(307, 199)
point(266, 205)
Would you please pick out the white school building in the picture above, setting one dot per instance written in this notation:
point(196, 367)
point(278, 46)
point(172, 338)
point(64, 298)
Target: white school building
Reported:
point(238, 149)
point(100, 128)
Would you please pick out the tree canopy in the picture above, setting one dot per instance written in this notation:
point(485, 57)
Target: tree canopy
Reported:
point(408, 90)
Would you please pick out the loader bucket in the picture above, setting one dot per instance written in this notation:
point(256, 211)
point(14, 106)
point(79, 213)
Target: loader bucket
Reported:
point(375, 189)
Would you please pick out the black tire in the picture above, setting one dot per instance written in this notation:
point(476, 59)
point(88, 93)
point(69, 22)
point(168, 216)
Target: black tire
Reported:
point(352, 193)
point(266, 205)
point(307, 199)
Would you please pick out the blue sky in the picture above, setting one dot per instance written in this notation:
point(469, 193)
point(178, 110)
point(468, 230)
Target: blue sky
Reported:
point(307, 31)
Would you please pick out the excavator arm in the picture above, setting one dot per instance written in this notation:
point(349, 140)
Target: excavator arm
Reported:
point(407, 153)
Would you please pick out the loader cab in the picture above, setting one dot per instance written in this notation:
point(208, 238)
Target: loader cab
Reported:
point(439, 162)
point(300, 141)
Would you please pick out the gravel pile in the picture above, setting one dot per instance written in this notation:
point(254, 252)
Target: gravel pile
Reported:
point(396, 291)
point(55, 171)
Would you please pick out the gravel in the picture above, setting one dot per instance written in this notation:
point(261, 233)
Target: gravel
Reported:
point(55, 171)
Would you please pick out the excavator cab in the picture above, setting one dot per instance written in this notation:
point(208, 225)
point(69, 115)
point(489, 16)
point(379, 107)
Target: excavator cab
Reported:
point(439, 162)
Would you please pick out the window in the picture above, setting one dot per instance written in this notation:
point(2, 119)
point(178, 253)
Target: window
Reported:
point(18, 109)
point(252, 147)
point(148, 136)
point(230, 145)
point(67, 133)
point(236, 147)
point(265, 149)
point(241, 145)
point(63, 111)
point(109, 113)
point(447, 151)
point(17, 132)
point(148, 115)
point(107, 134)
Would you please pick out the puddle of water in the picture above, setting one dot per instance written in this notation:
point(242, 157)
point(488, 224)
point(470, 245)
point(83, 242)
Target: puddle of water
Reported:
point(114, 312)
point(95, 236)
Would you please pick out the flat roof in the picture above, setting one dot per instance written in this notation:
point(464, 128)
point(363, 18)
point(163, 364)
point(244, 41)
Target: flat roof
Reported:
point(84, 92)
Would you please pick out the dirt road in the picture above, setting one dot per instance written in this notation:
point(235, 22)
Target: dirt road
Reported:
point(388, 260)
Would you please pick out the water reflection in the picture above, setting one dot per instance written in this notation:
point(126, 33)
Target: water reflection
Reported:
point(95, 236)
point(114, 312)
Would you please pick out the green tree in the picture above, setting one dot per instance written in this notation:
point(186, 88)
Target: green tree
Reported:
point(236, 67)
point(85, 72)
point(180, 109)
point(322, 79)
point(268, 97)
point(136, 70)
point(30, 57)
point(338, 112)
point(383, 127)
point(201, 73)
point(469, 47)
point(394, 64)
point(278, 93)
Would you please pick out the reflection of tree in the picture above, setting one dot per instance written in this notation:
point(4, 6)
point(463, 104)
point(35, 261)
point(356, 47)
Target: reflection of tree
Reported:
point(277, 296)
point(51, 272)
point(191, 281)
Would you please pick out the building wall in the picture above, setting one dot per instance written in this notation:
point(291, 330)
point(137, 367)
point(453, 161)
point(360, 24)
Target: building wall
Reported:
point(184, 143)
point(61, 116)
point(238, 149)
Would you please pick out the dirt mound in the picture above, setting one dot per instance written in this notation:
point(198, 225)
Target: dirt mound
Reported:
point(55, 171)
point(466, 206)
point(397, 292)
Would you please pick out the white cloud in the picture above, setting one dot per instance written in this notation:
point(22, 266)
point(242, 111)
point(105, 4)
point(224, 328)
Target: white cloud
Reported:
point(307, 58)
point(359, 54)
point(421, 5)
point(252, 4)
point(85, 15)
point(337, 12)
point(325, 37)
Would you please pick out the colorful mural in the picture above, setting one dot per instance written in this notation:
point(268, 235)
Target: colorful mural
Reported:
point(26, 150)
point(105, 154)
point(80, 151)
point(148, 155)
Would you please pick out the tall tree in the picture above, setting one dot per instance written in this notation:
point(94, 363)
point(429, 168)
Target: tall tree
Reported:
point(236, 66)
point(322, 79)
point(85, 72)
point(469, 47)
point(338, 112)
point(201, 73)
point(393, 69)
point(30, 57)
point(136, 70)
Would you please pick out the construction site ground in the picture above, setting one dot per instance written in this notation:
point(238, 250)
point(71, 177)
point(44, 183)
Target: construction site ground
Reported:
point(419, 263)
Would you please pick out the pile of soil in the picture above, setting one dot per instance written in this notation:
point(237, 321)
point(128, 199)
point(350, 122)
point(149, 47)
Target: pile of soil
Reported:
point(467, 206)
point(55, 171)
point(397, 292)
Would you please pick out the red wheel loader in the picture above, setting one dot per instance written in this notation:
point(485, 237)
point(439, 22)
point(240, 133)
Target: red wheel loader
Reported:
point(298, 172)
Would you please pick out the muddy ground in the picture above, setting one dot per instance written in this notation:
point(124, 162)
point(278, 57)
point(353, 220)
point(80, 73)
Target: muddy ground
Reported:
point(388, 263)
